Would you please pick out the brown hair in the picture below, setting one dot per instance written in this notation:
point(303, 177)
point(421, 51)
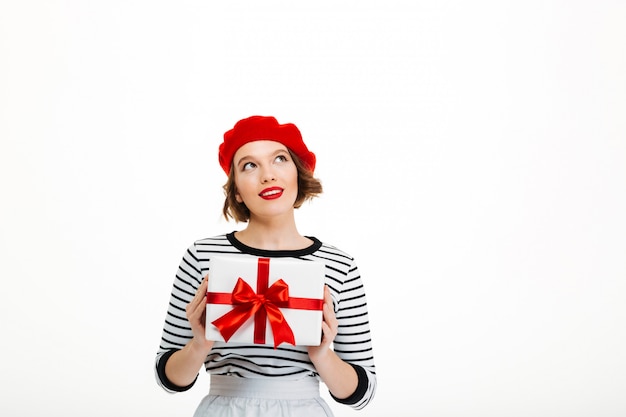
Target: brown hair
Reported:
point(308, 187)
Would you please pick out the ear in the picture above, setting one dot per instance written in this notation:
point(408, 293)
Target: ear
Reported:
point(238, 198)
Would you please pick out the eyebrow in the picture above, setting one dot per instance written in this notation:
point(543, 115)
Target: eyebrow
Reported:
point(275, 153)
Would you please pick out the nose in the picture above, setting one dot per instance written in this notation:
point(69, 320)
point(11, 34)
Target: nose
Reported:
point(267, 175)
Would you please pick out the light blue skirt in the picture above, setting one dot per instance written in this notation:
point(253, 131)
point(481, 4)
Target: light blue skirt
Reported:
point(263, 397)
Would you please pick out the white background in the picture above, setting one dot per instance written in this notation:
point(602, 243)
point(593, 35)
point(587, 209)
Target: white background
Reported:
point(473, 156)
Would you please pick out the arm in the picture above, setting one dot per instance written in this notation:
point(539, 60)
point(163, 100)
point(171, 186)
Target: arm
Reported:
point(183, 348)
point(340, 378)
point(348, 368)
point(181, 369)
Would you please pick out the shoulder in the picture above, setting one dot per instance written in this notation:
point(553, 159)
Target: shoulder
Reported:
point(212, 245)
point(335, 258)
point(218, 240)
point(334, 251)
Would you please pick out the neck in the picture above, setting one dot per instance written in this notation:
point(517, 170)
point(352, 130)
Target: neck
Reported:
point(273, 234)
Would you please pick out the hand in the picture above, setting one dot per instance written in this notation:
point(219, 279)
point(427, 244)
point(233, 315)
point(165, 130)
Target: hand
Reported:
point(196, 314)
point(329, 329)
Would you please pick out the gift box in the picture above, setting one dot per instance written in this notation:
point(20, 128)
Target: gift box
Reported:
point(265, 301)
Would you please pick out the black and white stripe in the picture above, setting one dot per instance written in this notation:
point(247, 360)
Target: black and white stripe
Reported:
point(352, 343)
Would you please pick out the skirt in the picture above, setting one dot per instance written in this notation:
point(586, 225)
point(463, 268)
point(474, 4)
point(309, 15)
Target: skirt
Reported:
point(264, 397)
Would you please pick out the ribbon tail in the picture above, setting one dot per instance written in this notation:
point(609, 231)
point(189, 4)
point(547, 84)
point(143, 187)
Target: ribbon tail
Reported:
point(280, 328)
point(230, 322)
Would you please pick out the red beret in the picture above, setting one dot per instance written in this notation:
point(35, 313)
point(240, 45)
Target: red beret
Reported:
point(263, 128)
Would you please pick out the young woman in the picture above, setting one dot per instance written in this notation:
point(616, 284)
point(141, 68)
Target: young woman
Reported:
point(270, 174)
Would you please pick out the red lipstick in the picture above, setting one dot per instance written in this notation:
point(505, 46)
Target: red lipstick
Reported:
point(271, 193)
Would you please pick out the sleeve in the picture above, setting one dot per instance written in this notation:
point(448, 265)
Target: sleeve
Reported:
point(353, 342)
point(176, 329)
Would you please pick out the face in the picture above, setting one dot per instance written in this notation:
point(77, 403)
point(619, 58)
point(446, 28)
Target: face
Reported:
point(266, 178)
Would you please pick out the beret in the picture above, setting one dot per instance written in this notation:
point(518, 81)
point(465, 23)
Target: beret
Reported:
point(255, 128)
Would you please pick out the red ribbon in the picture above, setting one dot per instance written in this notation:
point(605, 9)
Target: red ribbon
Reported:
point(265, 305)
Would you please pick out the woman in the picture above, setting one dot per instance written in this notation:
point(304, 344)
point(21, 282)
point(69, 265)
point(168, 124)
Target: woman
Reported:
point(270, 174)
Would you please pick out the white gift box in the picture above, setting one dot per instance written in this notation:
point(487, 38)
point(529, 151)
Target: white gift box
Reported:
point(265, 301)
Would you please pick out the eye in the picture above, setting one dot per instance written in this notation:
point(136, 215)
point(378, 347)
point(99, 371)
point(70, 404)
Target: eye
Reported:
point(281, 158)
point(248, 166)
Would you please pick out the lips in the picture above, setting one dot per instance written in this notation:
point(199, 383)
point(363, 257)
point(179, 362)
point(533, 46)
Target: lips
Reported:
point(271, 193)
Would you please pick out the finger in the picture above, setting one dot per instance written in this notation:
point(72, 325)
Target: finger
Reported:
point(327, 335)
point(331, 321)
point(203, 286)
point(200, 296)
point(201, 291)
point(324, 333)
point(328, 298)
point(329, 314)
point(197, 319)
point(199, 313)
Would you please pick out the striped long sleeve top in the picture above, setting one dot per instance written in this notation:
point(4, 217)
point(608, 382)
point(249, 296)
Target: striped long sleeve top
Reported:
point(352, 343)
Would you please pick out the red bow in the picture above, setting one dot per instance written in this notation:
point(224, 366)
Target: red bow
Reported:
point(262, 306)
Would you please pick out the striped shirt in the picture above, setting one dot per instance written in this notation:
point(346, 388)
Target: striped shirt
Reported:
point(352, 343)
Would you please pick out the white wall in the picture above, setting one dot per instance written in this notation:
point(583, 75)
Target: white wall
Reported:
point(473, 155)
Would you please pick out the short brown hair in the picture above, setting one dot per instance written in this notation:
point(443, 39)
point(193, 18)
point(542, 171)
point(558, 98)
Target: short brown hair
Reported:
point(308, 187)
